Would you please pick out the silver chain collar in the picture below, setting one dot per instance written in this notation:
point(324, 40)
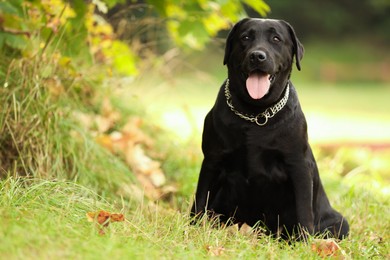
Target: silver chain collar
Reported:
point(268, 113)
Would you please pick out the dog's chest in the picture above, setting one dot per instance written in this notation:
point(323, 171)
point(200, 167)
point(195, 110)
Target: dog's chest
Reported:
point(260, 155)
point(265, 159)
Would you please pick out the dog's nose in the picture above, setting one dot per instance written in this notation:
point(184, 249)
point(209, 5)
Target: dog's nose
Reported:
point(258, 56)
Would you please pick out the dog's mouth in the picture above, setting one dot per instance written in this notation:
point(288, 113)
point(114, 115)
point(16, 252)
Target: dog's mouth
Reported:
point(258, 84)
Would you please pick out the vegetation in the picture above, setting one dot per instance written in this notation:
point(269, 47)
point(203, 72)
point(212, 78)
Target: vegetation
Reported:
point(71, 137)
point(336, 19)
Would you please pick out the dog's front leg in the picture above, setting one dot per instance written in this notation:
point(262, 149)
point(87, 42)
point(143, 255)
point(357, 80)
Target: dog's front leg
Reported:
point(205, 190)
point(303, 189)
point(207, 183)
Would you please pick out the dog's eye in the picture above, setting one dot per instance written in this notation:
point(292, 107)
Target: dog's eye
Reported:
point(276, 39)
point(245, 38)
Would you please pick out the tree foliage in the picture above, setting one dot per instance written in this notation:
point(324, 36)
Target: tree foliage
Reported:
point(77, 29)
point(72, 31)
point(192, 23)
point(336, 19)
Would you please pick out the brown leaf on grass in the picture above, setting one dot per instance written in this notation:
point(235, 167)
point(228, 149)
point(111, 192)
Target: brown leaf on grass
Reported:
point(215, 250)
point(375, 238)
point(103, 218)
point(95, 123)
point(108, 111)
point(105, 141)
point(233, 229)
point(115, 217)
point(102, 124)
point(131, 143)
point(246, 230)
point(144, 165)
point(327, 248)
point(127, 137)
point(100, 217)
point(133, 129)
point(99, 123)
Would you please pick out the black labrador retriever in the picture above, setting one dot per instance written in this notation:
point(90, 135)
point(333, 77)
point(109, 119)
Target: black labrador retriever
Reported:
point(258, 166)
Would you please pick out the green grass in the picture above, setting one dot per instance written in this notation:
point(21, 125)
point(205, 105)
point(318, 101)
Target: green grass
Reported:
point(47, 219)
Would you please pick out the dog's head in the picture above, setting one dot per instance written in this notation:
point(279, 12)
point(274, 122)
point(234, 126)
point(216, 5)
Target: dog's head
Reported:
point(259, 54)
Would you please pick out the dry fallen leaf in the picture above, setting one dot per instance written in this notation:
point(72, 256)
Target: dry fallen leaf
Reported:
point(233, 229)
point(109, 112)
point(142, 164)
point(105, 141)
point(98, 123)
point(104, 218)
point(246, 230)
point(131, 142)
point(215, 250)
point(117, 217)
point(102, 124)
point(327, 248)
point(133, 129)
point(375, 238)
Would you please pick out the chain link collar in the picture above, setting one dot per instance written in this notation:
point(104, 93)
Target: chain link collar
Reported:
point(268, 113)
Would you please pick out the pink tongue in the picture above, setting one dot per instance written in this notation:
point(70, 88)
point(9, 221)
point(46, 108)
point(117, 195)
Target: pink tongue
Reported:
point(258, 85)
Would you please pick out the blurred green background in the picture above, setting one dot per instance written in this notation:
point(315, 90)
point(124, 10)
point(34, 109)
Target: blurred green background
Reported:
point(344, 82)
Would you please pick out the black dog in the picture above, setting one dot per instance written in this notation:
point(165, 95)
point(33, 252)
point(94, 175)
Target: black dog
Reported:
point(258, 166)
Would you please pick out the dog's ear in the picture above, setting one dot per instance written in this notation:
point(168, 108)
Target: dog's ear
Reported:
point(298, 49)
point(229, 40)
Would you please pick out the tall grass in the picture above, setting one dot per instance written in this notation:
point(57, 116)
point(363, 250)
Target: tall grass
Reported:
point(29, 123)
point(41, 138)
